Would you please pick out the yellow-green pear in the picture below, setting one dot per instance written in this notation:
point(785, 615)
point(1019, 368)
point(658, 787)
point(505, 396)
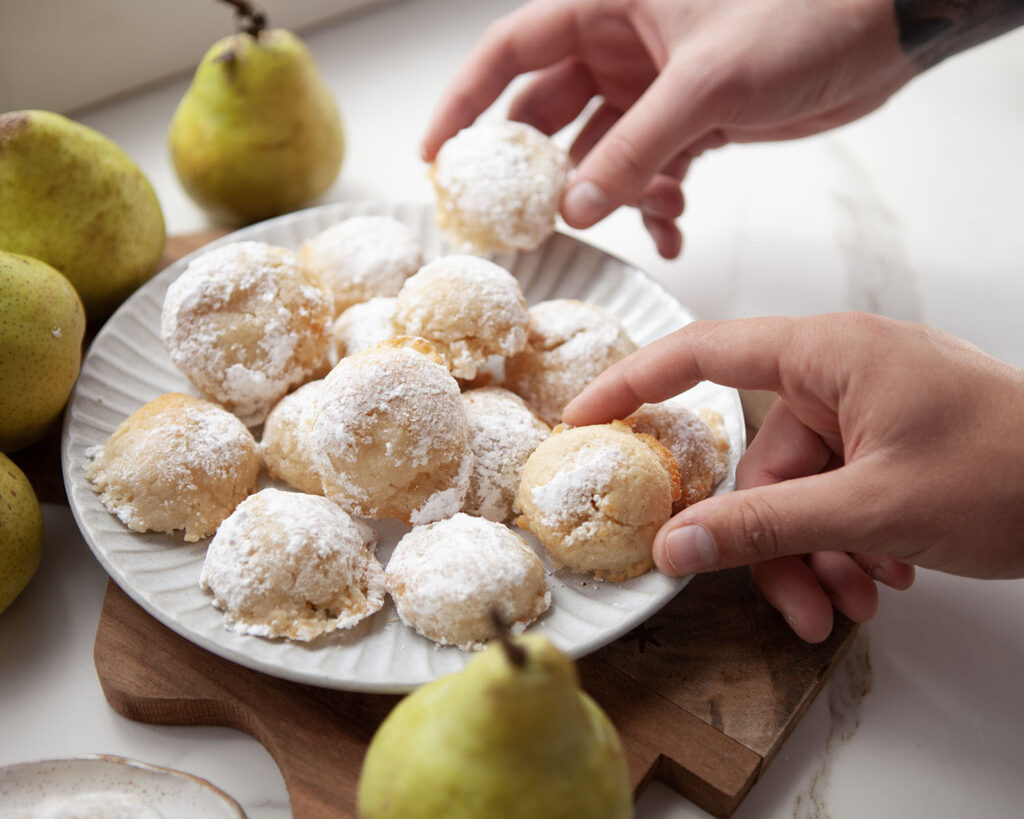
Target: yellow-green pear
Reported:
point(72, 198)
point(42, 324)
point(21, 532)
point(257, 133)
point(512, 735)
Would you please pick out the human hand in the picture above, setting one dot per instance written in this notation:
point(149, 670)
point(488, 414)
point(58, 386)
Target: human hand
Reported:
point(674, 78)
point(891, 444)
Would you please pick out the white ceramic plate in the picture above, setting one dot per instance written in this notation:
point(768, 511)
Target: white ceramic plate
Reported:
point(106, 784)
point(127, 366)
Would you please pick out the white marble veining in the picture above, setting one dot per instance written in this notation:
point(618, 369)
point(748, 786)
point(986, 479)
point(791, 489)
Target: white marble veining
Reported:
point(913, 211)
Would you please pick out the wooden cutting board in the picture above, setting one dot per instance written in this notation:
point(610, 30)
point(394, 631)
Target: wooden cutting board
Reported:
point(703, 694)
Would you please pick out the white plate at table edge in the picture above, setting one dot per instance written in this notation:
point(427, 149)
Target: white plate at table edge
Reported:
point(126, 366)
point(27, 786)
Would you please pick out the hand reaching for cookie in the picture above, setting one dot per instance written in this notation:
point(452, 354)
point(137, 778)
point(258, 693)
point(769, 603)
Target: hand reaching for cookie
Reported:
point(893, 445)
point(674, 78)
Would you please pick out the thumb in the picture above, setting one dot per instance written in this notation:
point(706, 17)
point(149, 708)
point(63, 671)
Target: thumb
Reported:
point(824, 512)
point(672, 113)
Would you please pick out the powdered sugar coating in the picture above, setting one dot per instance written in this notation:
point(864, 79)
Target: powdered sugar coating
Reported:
point(362, 257)
point(363, 325)
point(446, 577)
point(285, 446)
point(390, 436)
point(595, 496)
point(498, 186)
point(246, 323)
point(176, 463)
point(701, 453)
point(288, 564)
point(503, 431)
point(469, 308)
point(570, 343)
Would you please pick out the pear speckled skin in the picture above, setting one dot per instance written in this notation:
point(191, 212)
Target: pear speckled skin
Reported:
point(499, 741)
point(257, 133)
point(21, 532)
point(71, 197)
point(42, 324)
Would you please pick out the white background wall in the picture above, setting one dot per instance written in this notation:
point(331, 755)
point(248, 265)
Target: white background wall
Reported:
point(63, 55)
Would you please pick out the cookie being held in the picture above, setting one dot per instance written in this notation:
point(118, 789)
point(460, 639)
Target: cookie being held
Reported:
point(697, 441)
point(595, 496)
point(498, 186)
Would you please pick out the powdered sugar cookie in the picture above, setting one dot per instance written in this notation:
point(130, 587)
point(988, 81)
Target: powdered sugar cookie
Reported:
point(570, 343)
point(246, 323)
point(701, 451)
point(595, 497)
point(285, 445)
point(469, 308)
point(362, 257)
point(288, 564)
point(175, 463)
point(447, 577)
point(363, 325)
point(498, 187)
point(503, 431)
point(390, 435)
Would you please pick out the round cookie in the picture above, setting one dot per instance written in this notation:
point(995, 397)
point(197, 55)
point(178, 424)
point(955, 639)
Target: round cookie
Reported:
point(447, 577)
point(498, 186)
point(595, 497)
point(288, 564)
point(363, 325)
point(246, 323)
point(285, 445)
point(571, 342)
point(177, 462)
point(503, 431)
point(362, 257)
point(469, 308)
point(390, 435)
point(700, 451)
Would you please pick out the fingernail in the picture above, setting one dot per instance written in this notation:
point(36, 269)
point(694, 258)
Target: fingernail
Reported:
point(690, 549)
point(880, 574)
point(585, 203)
point(650, 205)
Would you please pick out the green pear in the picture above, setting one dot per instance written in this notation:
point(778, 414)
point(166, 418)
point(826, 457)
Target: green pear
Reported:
point(257, 133)
point(42, 323)
point(512, 735)
point(21, 532)
point(72, 198)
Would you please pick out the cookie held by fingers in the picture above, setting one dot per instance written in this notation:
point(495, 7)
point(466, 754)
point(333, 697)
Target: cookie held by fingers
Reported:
point(596, 496)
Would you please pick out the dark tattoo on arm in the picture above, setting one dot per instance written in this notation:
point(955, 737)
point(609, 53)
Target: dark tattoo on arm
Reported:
point(931, 30)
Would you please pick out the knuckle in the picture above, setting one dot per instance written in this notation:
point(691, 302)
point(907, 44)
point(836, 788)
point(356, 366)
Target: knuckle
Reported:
point(756, 529)
point(625, 159)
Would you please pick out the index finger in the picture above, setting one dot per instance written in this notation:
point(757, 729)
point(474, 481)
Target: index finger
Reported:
point(741, 353)
point(534, 36)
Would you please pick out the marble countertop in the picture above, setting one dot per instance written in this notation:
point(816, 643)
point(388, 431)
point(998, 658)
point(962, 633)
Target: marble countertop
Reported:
point(913, 211)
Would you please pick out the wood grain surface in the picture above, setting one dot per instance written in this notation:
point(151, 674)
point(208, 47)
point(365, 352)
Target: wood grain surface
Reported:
point(703, 694)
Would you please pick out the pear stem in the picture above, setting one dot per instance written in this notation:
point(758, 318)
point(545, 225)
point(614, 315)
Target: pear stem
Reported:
point(516, 653)
point(250, 20)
